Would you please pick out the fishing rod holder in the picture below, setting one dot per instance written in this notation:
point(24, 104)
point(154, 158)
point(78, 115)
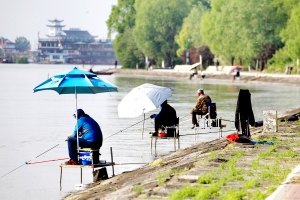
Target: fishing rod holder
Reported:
point(96, 167)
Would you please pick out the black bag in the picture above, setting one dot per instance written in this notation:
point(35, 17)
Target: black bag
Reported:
point(100, 174)
point(213, 111)
point(243, 139)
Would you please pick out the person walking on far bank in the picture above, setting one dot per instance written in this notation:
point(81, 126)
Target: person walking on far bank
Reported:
point(116, 63)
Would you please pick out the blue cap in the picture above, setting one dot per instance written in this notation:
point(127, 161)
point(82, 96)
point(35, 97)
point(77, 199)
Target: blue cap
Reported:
point(79, 113)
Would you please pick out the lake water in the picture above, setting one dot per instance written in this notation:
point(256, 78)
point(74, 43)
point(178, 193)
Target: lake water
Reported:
point(32, 123)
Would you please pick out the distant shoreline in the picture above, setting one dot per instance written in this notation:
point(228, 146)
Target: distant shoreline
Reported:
point(245, 76)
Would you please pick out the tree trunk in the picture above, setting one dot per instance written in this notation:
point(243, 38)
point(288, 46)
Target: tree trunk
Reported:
point(232, 61)
point(168, 59)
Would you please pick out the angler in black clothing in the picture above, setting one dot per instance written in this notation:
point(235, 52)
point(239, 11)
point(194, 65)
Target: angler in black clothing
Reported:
point(244, 113)
point(166, 117)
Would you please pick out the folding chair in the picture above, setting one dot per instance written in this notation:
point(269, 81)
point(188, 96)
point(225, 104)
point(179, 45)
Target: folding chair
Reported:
point(212, 117)
point(209, 118)
point(172, 132)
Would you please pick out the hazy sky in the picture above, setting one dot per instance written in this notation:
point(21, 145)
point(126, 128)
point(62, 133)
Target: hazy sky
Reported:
point(25, 18)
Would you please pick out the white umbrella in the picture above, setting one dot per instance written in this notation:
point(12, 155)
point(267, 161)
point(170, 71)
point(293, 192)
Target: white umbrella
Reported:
point(143, 99)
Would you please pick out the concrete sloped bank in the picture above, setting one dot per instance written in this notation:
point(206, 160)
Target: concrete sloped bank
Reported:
point(210, 170)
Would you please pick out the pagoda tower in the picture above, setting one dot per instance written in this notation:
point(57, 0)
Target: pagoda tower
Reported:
point(55, 29)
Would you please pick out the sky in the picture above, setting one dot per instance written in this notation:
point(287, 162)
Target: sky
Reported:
point(27, 18)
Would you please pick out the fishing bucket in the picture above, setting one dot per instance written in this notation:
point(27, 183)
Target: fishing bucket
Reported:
point(88, 156)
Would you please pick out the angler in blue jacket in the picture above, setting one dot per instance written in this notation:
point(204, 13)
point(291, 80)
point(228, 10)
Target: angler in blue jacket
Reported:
point(90, 136)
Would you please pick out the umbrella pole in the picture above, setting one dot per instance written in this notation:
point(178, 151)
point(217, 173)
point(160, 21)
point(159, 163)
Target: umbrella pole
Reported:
point(76, 121)
point(143, 126)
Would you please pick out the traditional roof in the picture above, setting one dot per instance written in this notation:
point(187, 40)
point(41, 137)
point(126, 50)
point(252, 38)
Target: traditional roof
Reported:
point(78, 34)
point(56, 25)
point(5, 41)
point(55, 20)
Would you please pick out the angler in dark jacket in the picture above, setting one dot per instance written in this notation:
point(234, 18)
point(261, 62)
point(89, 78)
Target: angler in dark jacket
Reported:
point(166, 117)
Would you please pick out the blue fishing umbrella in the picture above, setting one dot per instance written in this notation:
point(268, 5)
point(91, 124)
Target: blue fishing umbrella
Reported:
point(76, 82)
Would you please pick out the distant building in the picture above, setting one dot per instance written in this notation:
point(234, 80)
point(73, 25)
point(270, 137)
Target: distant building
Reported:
point(74, 46)
point(6, 45)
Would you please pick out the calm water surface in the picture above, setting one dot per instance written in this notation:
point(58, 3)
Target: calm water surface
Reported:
point(31, 123)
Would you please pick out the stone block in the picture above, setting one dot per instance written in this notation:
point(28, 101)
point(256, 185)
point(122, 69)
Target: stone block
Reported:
point(270, 124)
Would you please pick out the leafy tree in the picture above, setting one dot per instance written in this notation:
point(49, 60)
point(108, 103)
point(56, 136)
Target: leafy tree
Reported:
point(287, 15)
point(243, 29)
point(22, 44)
point(127, 51)
point(157, 23)
point(122, 17)
point(191, 29)
point(205, 3)
point(283, 11)
point(121, 21)
point(291, 38)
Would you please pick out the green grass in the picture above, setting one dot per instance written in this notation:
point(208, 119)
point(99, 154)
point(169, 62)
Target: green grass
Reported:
point(179, 172)
point(298, 133)
point(184, 192)
point(138, 189)
point(205, 179)
point(157, 162)
point(258, 195)
point(252, 183)
point(162, 177)
point(234, 194)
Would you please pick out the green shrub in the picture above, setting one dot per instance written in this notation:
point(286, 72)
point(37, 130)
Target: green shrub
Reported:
point(22, 60)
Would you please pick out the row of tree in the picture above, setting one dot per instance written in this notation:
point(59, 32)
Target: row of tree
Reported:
point(233, 31)
point(22, 44)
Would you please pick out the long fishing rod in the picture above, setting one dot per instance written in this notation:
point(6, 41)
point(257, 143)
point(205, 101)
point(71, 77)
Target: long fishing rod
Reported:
point(126, 128)
point(130, 163)
point(26, 163)
point(207, 132)
point(43, 161)
point(184, 116)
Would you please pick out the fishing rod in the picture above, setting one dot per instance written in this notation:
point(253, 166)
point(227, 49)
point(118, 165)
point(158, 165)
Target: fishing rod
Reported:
point(184, 116)
point(130, 163)
point(126, 128)
point(43, 161)
point(28, 162)
point(207, 132)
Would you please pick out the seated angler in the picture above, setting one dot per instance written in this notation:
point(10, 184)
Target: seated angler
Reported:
point(166, 117)
point(201, 107)
point(90, 136)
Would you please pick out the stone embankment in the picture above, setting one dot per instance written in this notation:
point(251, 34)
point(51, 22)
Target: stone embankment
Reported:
point(211, 170)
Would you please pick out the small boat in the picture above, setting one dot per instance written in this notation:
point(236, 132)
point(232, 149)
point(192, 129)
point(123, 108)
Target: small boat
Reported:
point(102, 72)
